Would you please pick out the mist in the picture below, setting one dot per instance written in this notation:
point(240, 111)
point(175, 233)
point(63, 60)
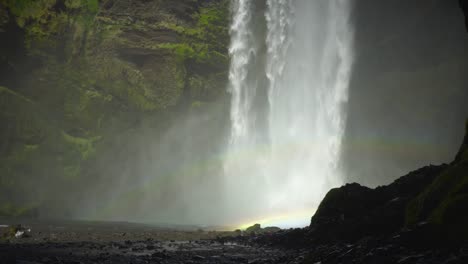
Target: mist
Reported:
point(276, 156)
point(310, 95)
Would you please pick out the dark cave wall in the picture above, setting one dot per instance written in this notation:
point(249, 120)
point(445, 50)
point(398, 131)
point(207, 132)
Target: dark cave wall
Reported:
point(408, 94)
point(464, 7)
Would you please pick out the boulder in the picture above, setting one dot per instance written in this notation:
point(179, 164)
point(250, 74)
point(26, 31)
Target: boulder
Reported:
point(444, 203)
point(256, 228)
point(352, 212)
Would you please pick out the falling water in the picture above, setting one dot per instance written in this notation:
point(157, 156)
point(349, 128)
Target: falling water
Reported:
point(288, 82)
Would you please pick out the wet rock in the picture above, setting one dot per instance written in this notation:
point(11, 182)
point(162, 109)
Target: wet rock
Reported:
point(150, 247)
point(256, 228)
point(16, 231)
point(160, 255)
point(271, 229)
point(464, 7)
point(198, 257)
point(352, 212)
point(410, 259)
point(27, 262)
point(238, 259)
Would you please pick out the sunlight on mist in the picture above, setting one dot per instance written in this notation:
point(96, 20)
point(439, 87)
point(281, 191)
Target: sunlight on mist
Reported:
point(286, 220)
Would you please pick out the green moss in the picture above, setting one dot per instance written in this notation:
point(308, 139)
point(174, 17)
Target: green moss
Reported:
point(207, 40)
point(213, 17)
point(445, 201)
point(37, 18)
point(41, 21)
point(90, 87)
point(432, 201)
point(183, 30)
point(91, 6)
point(198, 52)
point(141, 100)
point(84, 145)
point(455, 182)
point(25, 10)
point(181, 50)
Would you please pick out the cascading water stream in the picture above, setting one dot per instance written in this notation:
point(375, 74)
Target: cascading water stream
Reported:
point(285, 143)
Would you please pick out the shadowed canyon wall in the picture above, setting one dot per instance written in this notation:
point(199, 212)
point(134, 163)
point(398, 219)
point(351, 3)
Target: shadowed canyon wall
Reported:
point(408, 91)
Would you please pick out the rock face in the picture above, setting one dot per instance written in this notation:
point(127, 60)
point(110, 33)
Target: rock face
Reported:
point(408, 77)
point(257, 229)
point(353, 211)
point(253, 229)
point(464, 7)
point(445, 201)
point(434, 195)
point(80, 79)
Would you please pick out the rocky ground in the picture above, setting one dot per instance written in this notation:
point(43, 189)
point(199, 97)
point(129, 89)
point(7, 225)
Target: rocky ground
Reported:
point(86, 242)
point(90, 242)
point(405, 246)
point(147, 251)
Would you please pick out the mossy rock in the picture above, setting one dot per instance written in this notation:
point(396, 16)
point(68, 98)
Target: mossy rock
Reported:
point(254, 228)
point(445, 202)
point(89, 77)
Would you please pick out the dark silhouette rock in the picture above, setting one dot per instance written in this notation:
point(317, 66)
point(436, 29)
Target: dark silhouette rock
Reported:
point(464, 147)
point(431, 203)
point(271, 229)
point(254, 228)
point(444, 203)
point(353, 211)
point(464, 7)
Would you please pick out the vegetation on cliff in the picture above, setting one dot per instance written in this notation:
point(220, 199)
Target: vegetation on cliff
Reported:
point(445, 201)
point(78, 76)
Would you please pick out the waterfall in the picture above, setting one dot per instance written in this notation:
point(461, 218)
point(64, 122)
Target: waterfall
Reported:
point(289, 83)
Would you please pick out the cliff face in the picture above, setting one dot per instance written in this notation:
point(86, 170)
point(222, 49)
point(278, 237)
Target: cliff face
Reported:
point(407, 100)
point(433, 200)
point(354, 211)
point(464, 7)
point(78, 77)
point(445, 201)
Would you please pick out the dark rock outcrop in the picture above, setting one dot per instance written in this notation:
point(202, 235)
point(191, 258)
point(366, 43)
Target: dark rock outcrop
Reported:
point(408, 87)
point(254, 228)
point(464, 7)
point(257, 229)
point(432, 201)
point(464, 147)
point(354, 211)
point(444, 203)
